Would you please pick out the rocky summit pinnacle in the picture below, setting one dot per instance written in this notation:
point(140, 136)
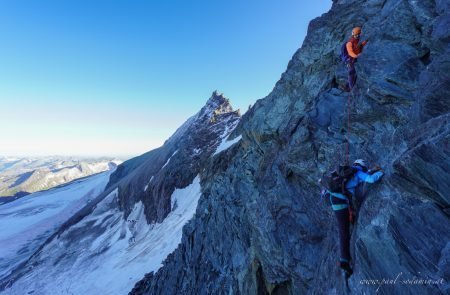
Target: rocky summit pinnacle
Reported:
point(218, 99)
point(216, 105)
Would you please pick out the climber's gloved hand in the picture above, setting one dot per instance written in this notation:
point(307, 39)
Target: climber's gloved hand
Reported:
point(363, 43)
point(376, 168)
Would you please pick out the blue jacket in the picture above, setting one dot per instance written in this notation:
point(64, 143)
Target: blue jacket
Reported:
point(351, 185)
point(361, 177)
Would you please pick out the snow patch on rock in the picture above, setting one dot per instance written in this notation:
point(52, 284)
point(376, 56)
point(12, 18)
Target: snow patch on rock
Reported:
point(225, 144)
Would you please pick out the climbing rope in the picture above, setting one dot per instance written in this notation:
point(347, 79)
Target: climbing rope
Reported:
point(347, 134)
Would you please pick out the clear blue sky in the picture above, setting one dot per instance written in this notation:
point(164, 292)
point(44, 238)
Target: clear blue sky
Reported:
point(91, 77)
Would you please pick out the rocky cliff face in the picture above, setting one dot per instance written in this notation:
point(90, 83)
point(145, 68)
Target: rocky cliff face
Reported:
point(260, 226)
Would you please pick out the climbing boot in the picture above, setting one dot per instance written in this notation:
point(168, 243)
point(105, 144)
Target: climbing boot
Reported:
point(346, 268)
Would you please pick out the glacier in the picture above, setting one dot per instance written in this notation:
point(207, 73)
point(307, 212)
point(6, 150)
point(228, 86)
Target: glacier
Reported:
point(113, 261)
point(29, 221)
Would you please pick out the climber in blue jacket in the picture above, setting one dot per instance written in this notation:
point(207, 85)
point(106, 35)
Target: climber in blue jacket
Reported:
point(342, 207)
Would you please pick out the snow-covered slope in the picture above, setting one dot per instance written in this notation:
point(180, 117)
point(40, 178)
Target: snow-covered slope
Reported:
point(119, 251)
point(21, 176)
point(28, 222)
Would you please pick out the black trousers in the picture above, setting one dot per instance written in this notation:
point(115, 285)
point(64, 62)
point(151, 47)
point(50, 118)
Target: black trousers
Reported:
point(343, 223)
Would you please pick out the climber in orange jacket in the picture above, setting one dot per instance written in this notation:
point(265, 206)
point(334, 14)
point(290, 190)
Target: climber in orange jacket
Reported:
point(351, 50)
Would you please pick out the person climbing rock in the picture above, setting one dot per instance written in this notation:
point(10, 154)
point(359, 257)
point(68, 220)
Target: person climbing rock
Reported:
point(340, 189)
point(351, 50)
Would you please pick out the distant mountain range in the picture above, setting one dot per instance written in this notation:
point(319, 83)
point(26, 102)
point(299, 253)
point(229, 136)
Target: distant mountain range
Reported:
point(22, 176)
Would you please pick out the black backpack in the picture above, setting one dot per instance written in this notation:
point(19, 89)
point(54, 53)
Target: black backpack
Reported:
point(336, 180)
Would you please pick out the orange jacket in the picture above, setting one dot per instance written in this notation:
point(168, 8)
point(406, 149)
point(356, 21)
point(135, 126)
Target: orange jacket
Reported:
point(353, 48)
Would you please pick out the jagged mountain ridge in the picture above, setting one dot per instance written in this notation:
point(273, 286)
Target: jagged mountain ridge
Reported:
point(260, 226)
point(136, 222)
point(182, 156)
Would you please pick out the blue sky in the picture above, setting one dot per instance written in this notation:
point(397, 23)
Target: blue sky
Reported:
point(116, 78)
